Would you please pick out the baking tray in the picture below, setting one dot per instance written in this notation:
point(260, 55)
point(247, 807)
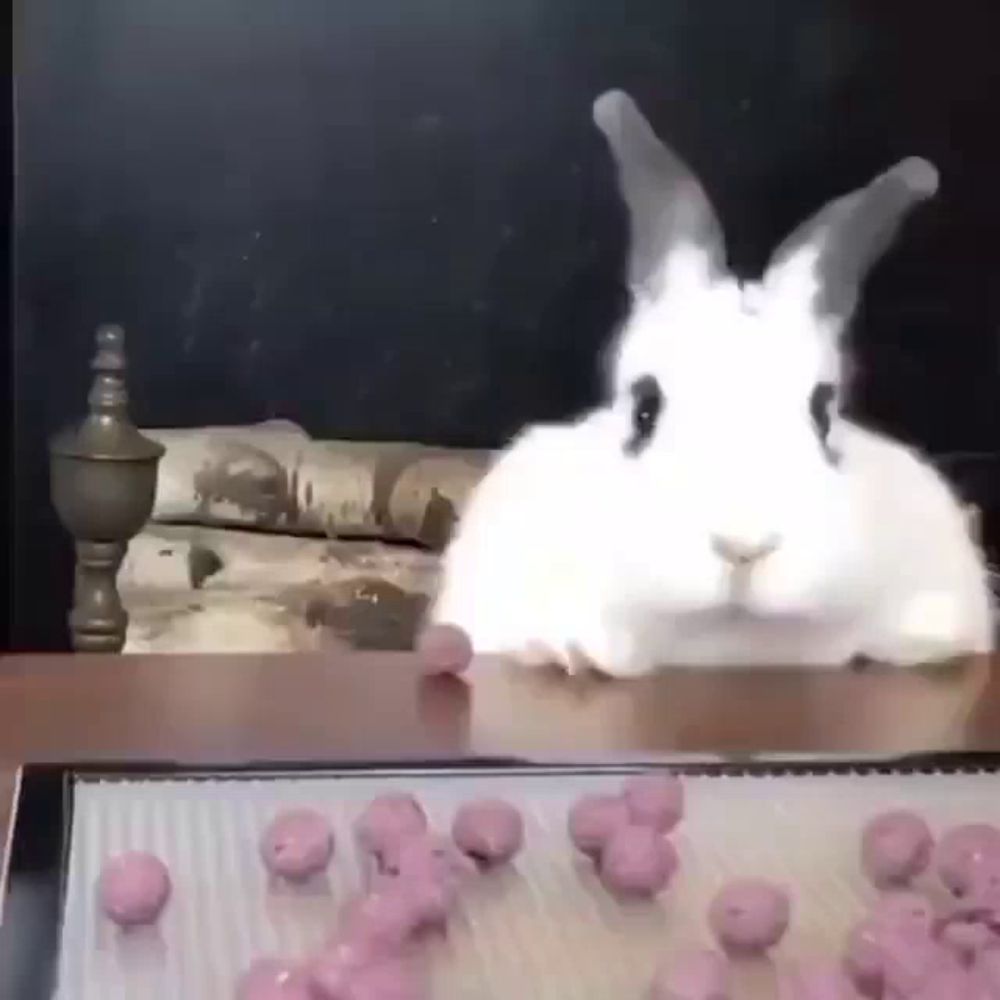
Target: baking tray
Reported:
point(792, 819)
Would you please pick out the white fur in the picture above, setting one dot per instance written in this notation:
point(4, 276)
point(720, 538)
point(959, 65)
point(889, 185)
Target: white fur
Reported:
point(572, 552)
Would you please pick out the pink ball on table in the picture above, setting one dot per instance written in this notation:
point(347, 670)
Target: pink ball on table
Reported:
point(698, 975)
point(749, 915)
point(895, 848)
point(490, 831)
point(134, 888)
point(444, 649)
point(637, 861)
point(389, 819)
point(655, 800)
point(297, 844)
point(593, 818)
point(273, 979)
point(961, 851)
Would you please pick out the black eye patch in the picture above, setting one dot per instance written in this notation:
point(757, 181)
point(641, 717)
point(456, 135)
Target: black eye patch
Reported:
point(647, 405)
point(820, 409)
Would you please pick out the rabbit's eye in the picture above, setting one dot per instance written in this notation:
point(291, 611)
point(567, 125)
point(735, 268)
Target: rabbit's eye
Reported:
point(820, 408)
point(647, 404)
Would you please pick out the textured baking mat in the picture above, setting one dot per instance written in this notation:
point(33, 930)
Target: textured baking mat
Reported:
point(543, 929)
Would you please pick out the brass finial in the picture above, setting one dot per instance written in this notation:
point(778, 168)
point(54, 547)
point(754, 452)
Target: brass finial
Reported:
point(108, 395)
point(103, 481)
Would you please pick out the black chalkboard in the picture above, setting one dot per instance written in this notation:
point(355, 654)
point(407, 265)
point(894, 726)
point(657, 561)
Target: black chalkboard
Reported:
point(393, 218)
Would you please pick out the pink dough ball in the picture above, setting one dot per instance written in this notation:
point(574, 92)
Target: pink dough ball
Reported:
point(749, 915)
point(392, 980)
point(273, 979)
point(820, 982)
point(655, 800)
point(902, 915)
point(697, 975)
point(983, 893)
point(490, 831)
point(297, 844)
point(429, 855)
point(971, 925)
point(345, 972)
point(960, 853)
point(988, 969)
point(330, 974)
point(593, 818)
point(431, 899)
point(389, 819)
point(863, 960)
point(951, 984)
point(444, 649)
point(968, 938)
point(895, 848)
point(637, 861)
point(910, 958)
point(334, 977)
point(134, 888)
point(432, 902)
point(430, 871)
point(381, 922)
point(330, 970)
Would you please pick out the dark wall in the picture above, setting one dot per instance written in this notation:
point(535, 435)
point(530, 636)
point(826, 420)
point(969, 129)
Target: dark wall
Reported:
point(393, 218)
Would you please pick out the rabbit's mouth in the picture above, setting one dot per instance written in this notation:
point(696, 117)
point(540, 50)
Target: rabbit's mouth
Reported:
point(738, 601)
point(743, 610)
point(739, 583)
point(737, 610)
point(756, 593)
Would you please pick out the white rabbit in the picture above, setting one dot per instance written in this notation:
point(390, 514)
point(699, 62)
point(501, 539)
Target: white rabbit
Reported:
point(718, 509)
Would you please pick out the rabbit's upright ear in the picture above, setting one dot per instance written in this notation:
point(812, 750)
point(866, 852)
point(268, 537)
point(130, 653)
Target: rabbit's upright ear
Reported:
point(824, 262)
point(673, 228)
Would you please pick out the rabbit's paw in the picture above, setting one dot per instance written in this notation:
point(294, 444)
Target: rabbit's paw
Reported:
point(567, 657)
point(928, 627)
point(538, 654)
point(613, 652)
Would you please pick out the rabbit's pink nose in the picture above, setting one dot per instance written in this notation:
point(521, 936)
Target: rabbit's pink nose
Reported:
point(742, 551)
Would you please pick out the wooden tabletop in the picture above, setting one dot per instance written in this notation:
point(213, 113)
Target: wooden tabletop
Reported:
point(367, 706)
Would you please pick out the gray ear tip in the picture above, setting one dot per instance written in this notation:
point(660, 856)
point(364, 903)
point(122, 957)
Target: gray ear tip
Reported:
point(919, 175)
point(609, 107)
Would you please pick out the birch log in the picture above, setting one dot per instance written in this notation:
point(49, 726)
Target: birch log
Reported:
point(193, 589)
point(273, 476)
